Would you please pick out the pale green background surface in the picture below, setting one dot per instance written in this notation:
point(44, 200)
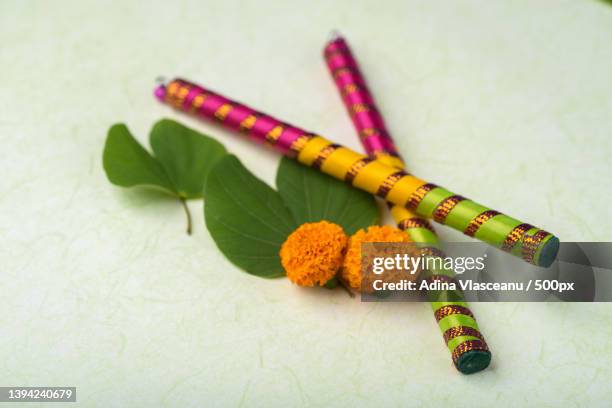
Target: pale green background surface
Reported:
point(506, 102)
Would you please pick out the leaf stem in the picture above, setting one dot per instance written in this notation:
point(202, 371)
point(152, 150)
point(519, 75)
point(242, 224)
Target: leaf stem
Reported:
point(346, 288)
point(187, 213)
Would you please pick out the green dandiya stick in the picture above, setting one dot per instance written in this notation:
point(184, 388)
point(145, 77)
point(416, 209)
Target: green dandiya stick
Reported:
point(396, 186)
point(469, 350)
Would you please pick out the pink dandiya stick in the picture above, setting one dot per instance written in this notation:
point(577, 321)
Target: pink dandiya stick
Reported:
point(359, 102)
point(207, 104)
point(469, 350)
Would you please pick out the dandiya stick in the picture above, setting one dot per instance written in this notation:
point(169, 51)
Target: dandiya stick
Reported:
point(469, 350)
point(396, 186)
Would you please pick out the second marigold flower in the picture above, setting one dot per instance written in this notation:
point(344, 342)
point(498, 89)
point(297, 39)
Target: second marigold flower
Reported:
point(351, 268)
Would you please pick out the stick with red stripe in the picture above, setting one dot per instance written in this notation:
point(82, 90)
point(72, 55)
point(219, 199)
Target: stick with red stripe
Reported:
point(468, 348)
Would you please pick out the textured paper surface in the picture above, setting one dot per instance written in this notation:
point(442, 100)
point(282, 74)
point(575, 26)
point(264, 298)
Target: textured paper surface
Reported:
point(507, 102)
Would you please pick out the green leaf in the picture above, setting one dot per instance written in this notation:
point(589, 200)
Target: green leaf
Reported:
point(247, 219)
point(312, 196)
point(183, 159)
point(128, 164)
point(186, 155)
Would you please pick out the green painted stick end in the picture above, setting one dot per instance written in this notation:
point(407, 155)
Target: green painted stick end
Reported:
point(473, 361)
point(549, 251)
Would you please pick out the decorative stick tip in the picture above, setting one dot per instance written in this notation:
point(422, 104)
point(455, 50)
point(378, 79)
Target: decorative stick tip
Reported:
point(160, 89)
point(334, 35)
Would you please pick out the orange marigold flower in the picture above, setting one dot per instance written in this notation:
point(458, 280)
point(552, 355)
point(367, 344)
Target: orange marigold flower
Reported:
point(313, 253)
point(351, 268)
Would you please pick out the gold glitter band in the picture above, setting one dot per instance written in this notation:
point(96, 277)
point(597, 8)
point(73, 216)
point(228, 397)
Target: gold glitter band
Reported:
point(431, 251)
point(531, 244)
point(298, 144)
point(273, 135)
point(515, 236)
point(197, 102)
point(343, 70)
point(361, 107)
point(445, 207)
point(349, 89)
point(223, 110)
point(418, 195)
point(356, 168)
point(389, 182)
point(323, 155)
point(458, 331)
point(448, 310)
point(177, 96)
point(477, 221)
point(171, 93)
point(414, 222)
point(247, 124)
point(172, 88)
point(369, 132)
point(182, 94)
